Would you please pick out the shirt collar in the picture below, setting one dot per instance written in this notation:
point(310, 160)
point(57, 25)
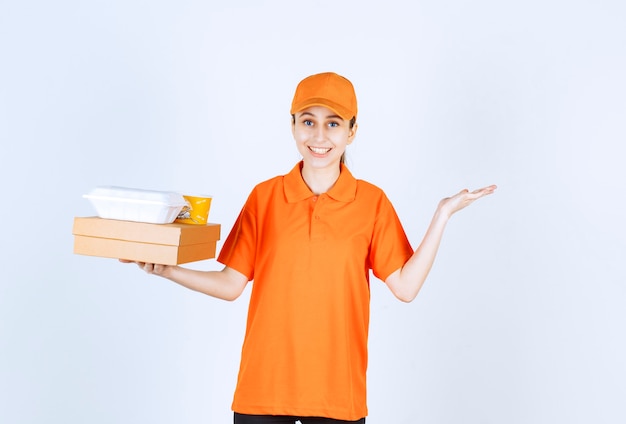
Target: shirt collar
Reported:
point(296, 189)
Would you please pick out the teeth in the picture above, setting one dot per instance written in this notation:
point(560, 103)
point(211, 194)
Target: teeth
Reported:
point(319, 150)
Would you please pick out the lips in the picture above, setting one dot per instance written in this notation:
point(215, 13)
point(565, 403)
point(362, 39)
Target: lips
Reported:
point(320, 150)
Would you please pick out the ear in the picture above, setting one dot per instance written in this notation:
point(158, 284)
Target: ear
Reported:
point(352, 133)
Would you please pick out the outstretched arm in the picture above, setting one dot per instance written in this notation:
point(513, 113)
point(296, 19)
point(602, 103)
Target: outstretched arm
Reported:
point(227, 284)
point(407, 281)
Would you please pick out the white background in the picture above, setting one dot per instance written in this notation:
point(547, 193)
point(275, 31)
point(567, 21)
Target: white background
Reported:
point(522, 319)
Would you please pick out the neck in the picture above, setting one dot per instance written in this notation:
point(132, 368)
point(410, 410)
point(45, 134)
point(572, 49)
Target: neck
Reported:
point(320, 180)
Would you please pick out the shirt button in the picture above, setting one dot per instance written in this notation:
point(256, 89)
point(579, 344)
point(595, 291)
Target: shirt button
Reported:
point(317, 217)
point(315, 198)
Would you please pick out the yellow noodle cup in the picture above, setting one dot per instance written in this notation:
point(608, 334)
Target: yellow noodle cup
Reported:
point(197, 211)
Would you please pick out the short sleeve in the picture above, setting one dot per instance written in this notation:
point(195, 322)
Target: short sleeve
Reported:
point(239, 249)
point(390, 248)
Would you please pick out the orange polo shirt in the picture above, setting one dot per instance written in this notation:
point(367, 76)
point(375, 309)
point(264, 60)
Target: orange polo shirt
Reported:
point(305, 348)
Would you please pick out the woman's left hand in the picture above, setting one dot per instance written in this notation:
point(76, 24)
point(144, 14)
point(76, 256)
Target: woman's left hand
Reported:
point(450, 205)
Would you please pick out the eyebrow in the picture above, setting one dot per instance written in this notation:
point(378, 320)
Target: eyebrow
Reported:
point(327, 117)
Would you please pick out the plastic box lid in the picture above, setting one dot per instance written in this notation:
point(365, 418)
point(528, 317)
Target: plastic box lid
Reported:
point(136, 195)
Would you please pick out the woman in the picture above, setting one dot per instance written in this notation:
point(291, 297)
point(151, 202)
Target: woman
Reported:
point(308, 239)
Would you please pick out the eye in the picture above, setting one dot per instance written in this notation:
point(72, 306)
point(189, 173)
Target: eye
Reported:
point(308, 122)
point(333, 124)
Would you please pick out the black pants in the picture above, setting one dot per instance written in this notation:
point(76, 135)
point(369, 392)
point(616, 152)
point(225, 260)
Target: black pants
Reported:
point(272, 419)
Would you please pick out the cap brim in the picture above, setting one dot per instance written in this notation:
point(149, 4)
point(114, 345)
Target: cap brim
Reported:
point(339, 110)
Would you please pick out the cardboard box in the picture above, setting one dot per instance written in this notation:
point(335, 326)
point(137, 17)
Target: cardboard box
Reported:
point(168, 244)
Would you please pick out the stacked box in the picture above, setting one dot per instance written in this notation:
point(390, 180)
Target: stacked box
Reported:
point(167, 244)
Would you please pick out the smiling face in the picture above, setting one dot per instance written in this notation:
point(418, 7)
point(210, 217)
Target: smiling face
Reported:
point(322, 137)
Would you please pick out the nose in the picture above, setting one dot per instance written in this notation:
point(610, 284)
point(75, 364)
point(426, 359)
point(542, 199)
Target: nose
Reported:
point(320, 133)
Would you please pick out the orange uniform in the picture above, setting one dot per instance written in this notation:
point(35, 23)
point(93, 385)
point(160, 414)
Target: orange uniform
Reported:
point(305, 348)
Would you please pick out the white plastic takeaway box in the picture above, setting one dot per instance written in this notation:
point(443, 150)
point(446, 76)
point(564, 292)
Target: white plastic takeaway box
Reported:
point(133, 204)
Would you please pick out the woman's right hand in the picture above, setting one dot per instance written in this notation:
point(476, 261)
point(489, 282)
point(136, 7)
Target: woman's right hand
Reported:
point(156, 269)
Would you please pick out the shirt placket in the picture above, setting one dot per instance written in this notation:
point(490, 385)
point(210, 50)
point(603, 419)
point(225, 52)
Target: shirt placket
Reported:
point(317, 217)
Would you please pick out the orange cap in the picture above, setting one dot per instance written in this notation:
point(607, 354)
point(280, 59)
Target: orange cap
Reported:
point(327, 89)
